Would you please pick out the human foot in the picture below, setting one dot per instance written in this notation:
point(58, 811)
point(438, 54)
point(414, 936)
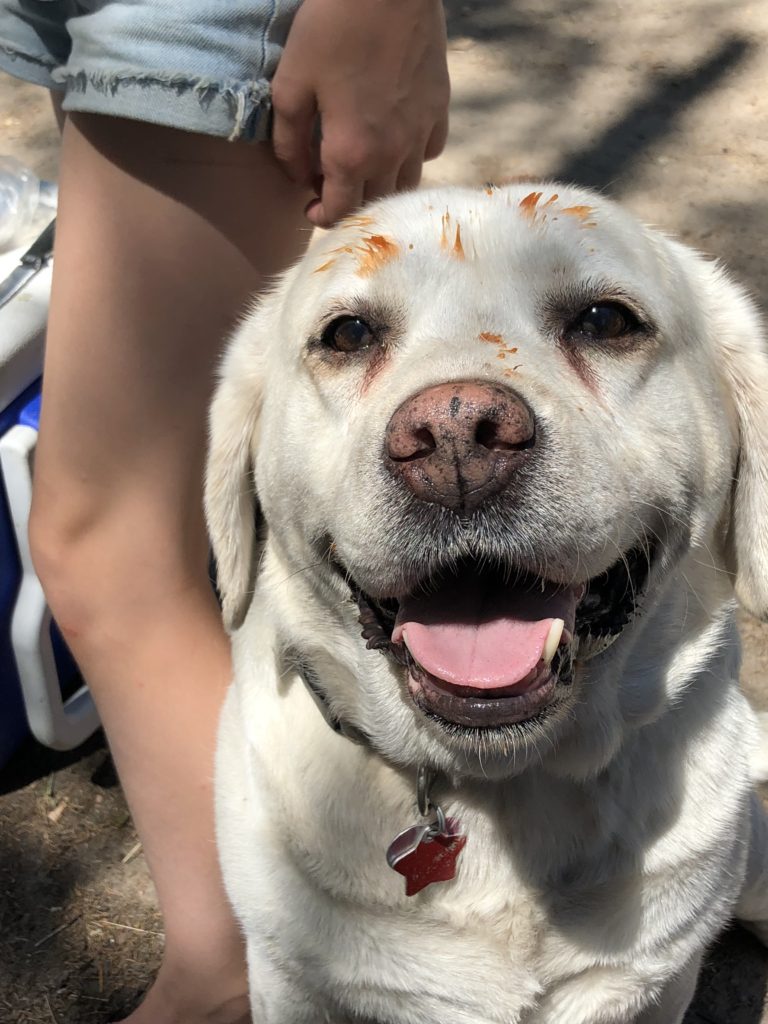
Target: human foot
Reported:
point(171, 1001)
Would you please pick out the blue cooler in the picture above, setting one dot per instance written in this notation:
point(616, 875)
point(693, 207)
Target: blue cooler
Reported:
point(40, 689)
point(13, 717)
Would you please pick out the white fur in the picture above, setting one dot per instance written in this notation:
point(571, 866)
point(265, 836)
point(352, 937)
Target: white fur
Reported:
point(606, 849)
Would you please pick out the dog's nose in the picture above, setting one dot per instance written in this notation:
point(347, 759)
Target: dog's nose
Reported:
point(457, 444)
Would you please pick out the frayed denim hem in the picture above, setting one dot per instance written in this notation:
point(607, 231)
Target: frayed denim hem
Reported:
point(27, 66)
point(233, 110)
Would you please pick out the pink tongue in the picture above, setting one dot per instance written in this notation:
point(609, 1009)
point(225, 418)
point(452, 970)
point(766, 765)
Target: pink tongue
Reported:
point(477, 632)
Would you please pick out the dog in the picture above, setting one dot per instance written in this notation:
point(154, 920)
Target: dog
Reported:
point(487, 470)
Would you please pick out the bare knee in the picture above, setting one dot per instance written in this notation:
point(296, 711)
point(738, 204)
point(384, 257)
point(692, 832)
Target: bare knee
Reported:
point(53, 539)
point(100, 563)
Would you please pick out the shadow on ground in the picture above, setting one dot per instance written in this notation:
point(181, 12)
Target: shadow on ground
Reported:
point(548, 56)
point(610, 157)
point(732, 983)
point(79, 931)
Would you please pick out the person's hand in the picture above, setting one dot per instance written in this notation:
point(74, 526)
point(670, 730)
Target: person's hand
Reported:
point(375, 72)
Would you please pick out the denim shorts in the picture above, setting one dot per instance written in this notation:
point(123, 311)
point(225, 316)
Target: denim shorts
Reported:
point(199, 65)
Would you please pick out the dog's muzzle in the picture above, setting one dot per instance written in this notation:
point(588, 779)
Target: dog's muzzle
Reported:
point(486, 640)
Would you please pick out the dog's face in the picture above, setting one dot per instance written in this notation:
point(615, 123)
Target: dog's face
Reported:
point(490, 424)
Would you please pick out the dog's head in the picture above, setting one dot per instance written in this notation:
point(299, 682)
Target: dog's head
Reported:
point(492, 425)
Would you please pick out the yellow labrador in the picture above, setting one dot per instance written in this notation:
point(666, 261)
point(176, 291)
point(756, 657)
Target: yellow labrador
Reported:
point(486, 468)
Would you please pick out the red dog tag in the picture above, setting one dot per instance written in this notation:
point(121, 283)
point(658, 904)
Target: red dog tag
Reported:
point(423, 856)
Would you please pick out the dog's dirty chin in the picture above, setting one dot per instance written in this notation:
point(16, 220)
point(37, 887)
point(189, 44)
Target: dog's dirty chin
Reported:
point(475, 708)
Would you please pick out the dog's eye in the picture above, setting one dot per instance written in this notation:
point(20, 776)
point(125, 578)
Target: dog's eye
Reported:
point(603, 321)
point(348, 334)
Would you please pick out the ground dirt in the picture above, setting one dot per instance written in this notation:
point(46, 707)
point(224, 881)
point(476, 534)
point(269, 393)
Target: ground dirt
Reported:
point(664, 106)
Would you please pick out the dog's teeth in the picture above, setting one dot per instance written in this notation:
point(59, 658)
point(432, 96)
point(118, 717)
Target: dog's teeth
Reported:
point(553, 640)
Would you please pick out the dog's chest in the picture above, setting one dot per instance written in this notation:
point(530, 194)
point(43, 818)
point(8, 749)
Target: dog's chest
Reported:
point(474, 943)
point(495, 938)
point(548, 881)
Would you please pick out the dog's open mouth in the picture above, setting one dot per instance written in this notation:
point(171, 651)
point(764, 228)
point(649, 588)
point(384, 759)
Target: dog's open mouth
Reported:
point(485, 648)
point(481, 650)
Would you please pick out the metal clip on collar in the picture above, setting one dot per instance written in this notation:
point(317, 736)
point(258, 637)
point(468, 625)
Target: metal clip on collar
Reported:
point(424, 782)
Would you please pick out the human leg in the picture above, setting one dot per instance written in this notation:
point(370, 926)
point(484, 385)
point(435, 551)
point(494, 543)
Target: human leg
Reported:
point(161, 237)
point(752, 908)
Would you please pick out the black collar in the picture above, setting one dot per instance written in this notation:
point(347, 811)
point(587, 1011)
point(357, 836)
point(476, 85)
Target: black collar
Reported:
point(317, 693)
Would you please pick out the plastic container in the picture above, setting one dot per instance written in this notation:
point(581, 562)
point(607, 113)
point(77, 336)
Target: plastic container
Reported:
point(21, 195)
point(34, 660)
point(13, 717)
point(40, 688)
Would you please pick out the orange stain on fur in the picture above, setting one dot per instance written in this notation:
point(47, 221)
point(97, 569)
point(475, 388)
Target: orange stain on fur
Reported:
point(580, 212)
point(458, 248)
point(534, 210)
point(374, 252)
point(445, 220)
point(334, 253)
point(358, 220)
point(496, 339)
point(529, 203)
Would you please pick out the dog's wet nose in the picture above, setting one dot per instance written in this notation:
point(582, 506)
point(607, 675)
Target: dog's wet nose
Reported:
point(457, 444)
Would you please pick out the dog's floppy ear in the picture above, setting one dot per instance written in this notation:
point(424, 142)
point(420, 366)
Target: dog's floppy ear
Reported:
point(231, 504)
point(742, 343)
